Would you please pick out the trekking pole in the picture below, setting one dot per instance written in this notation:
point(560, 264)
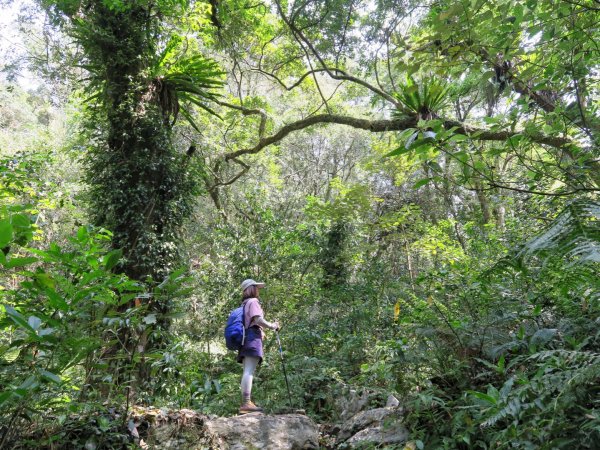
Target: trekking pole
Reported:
point(283, 366)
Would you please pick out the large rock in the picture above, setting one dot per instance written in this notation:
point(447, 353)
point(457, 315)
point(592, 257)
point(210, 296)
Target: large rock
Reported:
point(380, 435)
point(258, 431)
point(380, 426)
point(352, 401)
point(185, 429)
point(161, 428)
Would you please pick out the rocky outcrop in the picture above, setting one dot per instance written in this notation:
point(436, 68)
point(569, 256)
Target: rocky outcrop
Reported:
point(379, 427)
point(258, 431)
point(353, 401)
point(187, 430)
point(160, 428)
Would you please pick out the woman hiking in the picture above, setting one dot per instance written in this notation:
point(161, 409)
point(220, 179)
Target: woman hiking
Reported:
point(251, 353)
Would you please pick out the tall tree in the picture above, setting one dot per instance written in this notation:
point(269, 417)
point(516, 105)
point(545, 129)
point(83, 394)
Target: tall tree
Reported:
point(140, 184)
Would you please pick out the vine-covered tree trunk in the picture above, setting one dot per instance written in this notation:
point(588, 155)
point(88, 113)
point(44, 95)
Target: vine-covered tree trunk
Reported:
point(138, 185)
point(333, 261)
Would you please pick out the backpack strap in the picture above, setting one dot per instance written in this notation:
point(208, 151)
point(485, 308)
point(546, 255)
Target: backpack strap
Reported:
point(243, 323)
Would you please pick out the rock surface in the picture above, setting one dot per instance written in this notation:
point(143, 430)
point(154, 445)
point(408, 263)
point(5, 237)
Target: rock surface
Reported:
point(258, 431)
point(351, 403)
point(380, 426)
point(392, 402)
point(380, 435)
point(188, 430)
point(160, 428)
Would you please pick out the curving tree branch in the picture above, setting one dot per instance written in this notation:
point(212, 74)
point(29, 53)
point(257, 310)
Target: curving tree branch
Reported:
point(383, 125)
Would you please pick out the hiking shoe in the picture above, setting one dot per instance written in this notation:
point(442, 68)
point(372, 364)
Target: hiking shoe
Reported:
point(249, 407)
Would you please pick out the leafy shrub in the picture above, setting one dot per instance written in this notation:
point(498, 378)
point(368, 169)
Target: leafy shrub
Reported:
point(533, 381)
point(61, 325)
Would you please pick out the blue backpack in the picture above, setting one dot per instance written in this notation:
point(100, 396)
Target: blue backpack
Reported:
point(235, 332)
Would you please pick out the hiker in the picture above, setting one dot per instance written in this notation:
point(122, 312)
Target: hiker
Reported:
point(251, 353)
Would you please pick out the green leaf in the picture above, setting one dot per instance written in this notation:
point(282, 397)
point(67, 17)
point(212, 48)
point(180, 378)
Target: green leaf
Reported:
point(18, 318)
point(113, 258)
point(34, 322)
point(50, 376)
point(30, 383)
point(10, 354)
point(543, 336)
point(516, 139)
point(422, 145)
point(421, 183)
point(190, 119)
point(20, 221)
point(82, 234)
point(56, 300)
point(44, 280)
point(458, 138)
point(399, 151)
point(20, 262)
point(6, 233)
point(501, 364)
point(5, 396)
point(435, 166)
point(485, 397)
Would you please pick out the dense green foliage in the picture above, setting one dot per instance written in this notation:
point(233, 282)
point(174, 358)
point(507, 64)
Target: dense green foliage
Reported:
point(140, 187)
point(417, 183)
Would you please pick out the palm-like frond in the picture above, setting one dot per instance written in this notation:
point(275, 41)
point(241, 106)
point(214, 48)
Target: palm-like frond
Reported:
point(188, 81)
point(559, 374)
point(424, 99)
point(575, 233)
point(173, 81)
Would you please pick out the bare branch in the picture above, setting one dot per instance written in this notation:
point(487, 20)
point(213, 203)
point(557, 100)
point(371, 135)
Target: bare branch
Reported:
point(492, 186)
point(341, 75)
point(213, 188)
point(247, 112)
point(245, 168)
point(297, 83)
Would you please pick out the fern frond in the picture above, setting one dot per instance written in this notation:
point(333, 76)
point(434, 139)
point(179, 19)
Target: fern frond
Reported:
point(194, 80)
point(424, 99)
point(575, 233)
point(513, 409)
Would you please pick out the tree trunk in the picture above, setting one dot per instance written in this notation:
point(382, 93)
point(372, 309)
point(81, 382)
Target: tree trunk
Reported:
point(500, 213)
point(483, 203)
point(139, 188)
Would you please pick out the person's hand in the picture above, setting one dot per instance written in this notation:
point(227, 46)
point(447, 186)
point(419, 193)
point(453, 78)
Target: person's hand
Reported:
point(275, 326)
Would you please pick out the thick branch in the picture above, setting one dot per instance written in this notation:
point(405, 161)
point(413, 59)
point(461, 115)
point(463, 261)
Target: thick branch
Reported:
point(380, 126)
point(480, 134)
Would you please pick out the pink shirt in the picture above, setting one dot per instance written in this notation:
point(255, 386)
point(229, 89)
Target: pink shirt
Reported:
point(252, 310)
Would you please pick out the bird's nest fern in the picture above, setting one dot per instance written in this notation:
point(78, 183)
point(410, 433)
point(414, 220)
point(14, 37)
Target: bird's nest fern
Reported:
point(178, 83)
point(422, 100)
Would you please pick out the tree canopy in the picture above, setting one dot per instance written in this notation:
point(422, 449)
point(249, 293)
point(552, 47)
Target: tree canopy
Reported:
point(416, 182)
